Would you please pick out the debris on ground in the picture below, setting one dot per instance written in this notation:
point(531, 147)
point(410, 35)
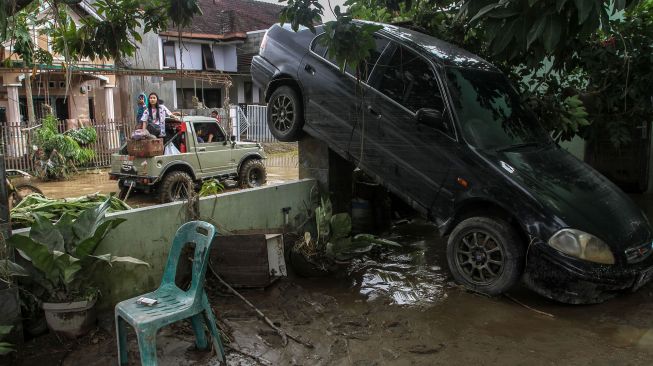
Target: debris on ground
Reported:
point(22, 215)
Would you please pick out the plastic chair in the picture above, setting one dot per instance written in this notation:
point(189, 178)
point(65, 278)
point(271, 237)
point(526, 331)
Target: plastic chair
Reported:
point(173, 304)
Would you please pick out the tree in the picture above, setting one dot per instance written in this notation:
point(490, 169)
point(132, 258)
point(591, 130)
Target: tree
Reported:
point(548, 48)
point(116, 34)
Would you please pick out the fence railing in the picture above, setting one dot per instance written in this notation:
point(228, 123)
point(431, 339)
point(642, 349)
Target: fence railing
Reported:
point(258, 130)
point(17, 143)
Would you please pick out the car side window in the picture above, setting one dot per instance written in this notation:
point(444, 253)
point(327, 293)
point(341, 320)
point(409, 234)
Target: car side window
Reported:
point(318, 47)
point(366, 67)
point(409, 80)
point(208, 132)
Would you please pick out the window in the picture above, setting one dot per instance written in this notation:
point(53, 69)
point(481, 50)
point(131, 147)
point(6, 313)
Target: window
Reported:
point(169, 59)
point(409, 80)
point(365, 68)
point(317, 45)
point(208, 63)
point(208, 132)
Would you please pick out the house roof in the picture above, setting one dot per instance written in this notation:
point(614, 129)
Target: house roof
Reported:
point(231, 19)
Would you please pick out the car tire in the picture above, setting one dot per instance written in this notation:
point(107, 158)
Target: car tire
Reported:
point(285, 114)
point(175, 186)
point(252, 174)
point(485, 255)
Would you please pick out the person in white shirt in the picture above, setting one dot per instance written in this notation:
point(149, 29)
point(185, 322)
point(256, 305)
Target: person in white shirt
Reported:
point(154, 117)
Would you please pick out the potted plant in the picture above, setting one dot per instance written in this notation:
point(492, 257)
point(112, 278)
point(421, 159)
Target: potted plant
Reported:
point(332, 244)
point(64, 256)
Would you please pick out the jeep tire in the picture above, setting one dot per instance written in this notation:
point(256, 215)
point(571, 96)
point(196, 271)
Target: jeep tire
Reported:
point(486, 255)
point(175, 186)
point(285, 114)
point(252, 174)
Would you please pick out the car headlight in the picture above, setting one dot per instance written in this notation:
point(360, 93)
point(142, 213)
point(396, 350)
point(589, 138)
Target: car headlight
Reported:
point(582, 245)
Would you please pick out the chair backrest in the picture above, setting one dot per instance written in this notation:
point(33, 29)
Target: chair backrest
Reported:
point(201, 234)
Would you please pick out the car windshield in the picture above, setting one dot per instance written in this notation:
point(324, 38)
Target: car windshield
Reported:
point(490, 113)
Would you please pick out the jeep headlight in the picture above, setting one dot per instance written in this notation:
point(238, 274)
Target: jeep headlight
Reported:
point(582, 245)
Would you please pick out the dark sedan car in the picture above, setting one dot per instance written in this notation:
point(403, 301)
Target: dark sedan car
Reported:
point(444, 130)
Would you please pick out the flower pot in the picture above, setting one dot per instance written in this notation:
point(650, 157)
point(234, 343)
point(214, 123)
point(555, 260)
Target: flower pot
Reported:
point(71, 319)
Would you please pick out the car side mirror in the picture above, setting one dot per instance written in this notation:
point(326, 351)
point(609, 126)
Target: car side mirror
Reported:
point(429, 117)
point(233, 138)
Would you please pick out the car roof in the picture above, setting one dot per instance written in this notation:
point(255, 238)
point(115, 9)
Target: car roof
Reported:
point(442, 52)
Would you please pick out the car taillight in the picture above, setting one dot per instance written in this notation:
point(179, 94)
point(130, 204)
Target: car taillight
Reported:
point(263, 42)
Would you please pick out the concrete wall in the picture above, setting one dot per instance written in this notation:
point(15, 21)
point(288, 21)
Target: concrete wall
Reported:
point(225, 57)
point(147, 234)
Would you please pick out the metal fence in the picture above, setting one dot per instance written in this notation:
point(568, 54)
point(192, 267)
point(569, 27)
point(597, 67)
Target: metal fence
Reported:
point(258, 130)
point(17, 143)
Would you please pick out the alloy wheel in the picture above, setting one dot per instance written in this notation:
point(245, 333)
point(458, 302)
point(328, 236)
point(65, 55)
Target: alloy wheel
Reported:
point(479, 257)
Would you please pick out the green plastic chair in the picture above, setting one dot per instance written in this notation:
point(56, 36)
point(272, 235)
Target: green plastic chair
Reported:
point(173, 304)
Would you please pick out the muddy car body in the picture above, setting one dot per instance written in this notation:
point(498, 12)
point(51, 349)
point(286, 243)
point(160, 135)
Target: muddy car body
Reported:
point(198, 160)
point(444, 130)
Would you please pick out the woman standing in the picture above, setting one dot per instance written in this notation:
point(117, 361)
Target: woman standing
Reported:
point(154, 116)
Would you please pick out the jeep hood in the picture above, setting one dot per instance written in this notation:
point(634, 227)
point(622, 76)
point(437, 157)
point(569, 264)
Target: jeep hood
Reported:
point(577, 194)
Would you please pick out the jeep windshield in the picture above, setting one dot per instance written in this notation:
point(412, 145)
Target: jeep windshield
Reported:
point(490, 113)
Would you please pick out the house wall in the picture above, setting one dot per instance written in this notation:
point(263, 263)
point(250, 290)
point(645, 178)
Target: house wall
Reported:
point(147, 234)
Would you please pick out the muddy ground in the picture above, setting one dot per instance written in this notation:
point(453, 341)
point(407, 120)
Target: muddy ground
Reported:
point(393, 308)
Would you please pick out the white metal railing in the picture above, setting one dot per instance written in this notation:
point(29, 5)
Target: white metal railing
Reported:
point(258, 130)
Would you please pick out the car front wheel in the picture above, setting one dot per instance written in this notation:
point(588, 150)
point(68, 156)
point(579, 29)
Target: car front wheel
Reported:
point(485, 255)
point(285, 114)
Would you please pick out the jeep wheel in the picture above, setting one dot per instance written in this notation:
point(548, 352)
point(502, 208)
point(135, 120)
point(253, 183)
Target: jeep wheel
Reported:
point(285, 115)
point(176, 186)
point(486, 255)
point(252, 174)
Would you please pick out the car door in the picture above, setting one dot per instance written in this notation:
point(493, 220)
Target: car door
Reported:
point(213, 153)
point(333, 98)
point(412, 158)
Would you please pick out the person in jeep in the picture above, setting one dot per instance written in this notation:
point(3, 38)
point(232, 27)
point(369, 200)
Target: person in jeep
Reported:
point(154, 116)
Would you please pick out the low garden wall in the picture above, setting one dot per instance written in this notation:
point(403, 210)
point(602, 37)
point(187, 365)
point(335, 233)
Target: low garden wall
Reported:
point(147, 234)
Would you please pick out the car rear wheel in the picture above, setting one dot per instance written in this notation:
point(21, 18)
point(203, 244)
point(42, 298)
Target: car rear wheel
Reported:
point(176, 186)
point(252, 174)
point(485, 255)
point(285, 114)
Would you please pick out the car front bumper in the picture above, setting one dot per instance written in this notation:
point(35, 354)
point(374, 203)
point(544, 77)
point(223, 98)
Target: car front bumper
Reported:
point(569, 280)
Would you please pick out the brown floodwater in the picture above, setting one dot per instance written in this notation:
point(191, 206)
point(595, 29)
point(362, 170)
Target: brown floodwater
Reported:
point(280, 168)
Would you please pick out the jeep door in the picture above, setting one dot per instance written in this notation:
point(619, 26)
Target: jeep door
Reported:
point(213, 153)
point(414, 158)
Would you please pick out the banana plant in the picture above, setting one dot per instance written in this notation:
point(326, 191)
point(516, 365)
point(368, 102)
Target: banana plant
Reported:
point(63, 254)
point(334, 235)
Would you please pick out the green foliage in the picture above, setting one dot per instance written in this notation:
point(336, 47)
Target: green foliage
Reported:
point(23, 214)
point(334, 241)
point(211, 188)
point(64, 254)
point(61, 153)
point(5, 347)
point(302, 13)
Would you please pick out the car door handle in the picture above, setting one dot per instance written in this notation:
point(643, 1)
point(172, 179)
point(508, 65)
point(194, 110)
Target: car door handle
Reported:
point(201, 149)
point(373, 112)
point(309, 69)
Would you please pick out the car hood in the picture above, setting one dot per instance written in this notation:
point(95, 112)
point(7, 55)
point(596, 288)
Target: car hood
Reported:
point(577, 194)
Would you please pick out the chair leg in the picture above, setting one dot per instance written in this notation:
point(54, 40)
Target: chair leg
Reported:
point(198, 326)
point(121, 338)
point(213, 327)
point(147, 347)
